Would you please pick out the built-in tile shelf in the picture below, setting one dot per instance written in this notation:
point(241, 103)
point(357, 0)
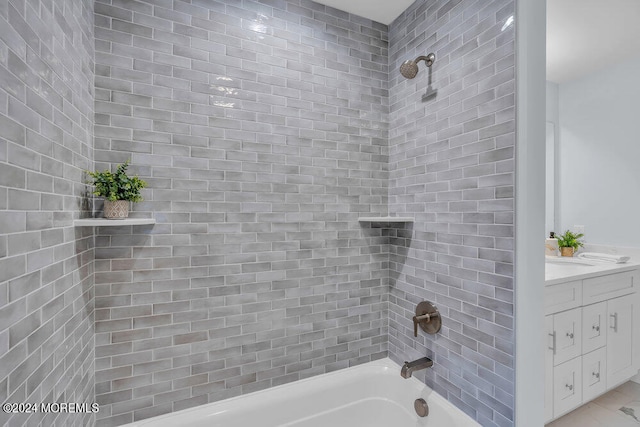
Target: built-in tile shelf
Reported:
point(101, 222)
point(385, 219)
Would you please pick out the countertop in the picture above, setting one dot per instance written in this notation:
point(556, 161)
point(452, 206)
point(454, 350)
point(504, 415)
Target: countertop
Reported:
point(559, 270)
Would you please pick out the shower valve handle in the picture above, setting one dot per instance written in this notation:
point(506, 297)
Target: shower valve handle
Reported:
point(419, 319)
point(427, 317)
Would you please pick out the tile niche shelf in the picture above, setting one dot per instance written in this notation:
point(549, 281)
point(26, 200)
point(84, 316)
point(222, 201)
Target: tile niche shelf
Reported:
point(385, 219)
point(102, 222)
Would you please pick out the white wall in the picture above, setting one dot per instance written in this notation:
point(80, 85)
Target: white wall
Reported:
point(599, 179)
point(553, 103)
point(530, 160)
point(552, 165)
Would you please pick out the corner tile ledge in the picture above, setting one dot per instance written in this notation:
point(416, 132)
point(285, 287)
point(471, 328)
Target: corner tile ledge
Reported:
point(385, 219)
point(101, 222)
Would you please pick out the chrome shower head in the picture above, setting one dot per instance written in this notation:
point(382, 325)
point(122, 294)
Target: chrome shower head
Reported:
point(409, 69)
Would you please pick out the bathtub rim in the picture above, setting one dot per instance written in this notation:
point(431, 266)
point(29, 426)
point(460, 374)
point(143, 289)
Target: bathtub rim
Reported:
point(385, 365)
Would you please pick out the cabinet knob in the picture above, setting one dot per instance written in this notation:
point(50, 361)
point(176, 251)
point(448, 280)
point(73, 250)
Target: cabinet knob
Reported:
point(596, 374)
point(570, 335)
point(569, 386)
point(596, 328)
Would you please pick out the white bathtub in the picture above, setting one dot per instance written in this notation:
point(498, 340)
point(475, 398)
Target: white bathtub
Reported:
point(373, 395)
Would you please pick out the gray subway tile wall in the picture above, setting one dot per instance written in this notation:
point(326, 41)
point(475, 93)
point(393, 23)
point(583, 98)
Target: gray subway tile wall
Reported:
point(261, 128)
point(264, 129)
point(451, 165)
point(46, 265)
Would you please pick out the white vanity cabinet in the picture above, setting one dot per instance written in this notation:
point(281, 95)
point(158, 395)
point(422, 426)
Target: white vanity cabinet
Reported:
point(621, 340)
point(593, 339)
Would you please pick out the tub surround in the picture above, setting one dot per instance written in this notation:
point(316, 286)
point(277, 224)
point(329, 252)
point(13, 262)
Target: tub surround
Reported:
point(451, 163)
point(47, 336)
point(261, 129)
point(266, 133)
point(261, 158)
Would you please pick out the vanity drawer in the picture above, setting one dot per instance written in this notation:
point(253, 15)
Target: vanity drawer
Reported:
point(594, 326)
point(567, 335)
point(611, 286)
point(567, 386)
point(562, 297)
point(594, 374)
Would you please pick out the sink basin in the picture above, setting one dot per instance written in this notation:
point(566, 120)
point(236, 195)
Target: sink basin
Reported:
point(569, 262)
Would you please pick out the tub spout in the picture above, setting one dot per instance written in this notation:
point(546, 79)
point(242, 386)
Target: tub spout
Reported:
point(416, 365)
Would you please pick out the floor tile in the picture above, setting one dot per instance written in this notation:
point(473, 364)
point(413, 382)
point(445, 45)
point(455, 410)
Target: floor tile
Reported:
point(614, 400)
point(632, 411)
point(619, 407)
point(631, 388)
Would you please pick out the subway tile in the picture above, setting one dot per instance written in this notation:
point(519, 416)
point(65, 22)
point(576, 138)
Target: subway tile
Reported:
point(287, 176)
point(478, 84)
point(34, 124)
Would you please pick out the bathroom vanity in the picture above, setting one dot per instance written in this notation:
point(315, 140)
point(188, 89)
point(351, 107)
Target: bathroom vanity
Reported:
point(591, 317)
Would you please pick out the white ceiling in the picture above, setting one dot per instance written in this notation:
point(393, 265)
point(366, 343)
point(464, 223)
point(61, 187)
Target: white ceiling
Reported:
point(384, 11)
point(586, 35)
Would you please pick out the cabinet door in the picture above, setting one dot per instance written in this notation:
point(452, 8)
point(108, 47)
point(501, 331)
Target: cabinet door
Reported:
point(594, 327)
point(567, 327)
point(594, 374)
point(620, 340)
point(567, 386)
point(548, 370)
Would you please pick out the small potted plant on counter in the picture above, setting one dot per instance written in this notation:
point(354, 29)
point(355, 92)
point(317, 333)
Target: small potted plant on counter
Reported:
point(118, 189)
point(569, 243)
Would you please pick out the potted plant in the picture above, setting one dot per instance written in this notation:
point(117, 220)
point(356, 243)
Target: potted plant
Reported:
point(569, 243)
point(118, 189)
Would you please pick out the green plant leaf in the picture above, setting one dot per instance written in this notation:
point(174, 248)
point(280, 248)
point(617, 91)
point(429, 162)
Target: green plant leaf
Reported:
point(570, 240)
point(118, 185)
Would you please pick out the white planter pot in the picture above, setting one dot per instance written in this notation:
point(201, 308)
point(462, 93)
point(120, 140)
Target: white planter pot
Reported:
point(118, 209)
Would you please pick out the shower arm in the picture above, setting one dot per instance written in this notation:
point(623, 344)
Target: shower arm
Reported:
point(429, 59)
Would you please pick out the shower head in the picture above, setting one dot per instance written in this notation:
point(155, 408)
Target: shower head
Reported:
point(409, 69)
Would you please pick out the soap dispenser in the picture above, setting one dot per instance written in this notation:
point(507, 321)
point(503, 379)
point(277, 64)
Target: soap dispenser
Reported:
point(551, 245)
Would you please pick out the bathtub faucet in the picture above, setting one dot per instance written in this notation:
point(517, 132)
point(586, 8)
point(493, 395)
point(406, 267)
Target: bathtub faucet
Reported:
point(416, 365)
